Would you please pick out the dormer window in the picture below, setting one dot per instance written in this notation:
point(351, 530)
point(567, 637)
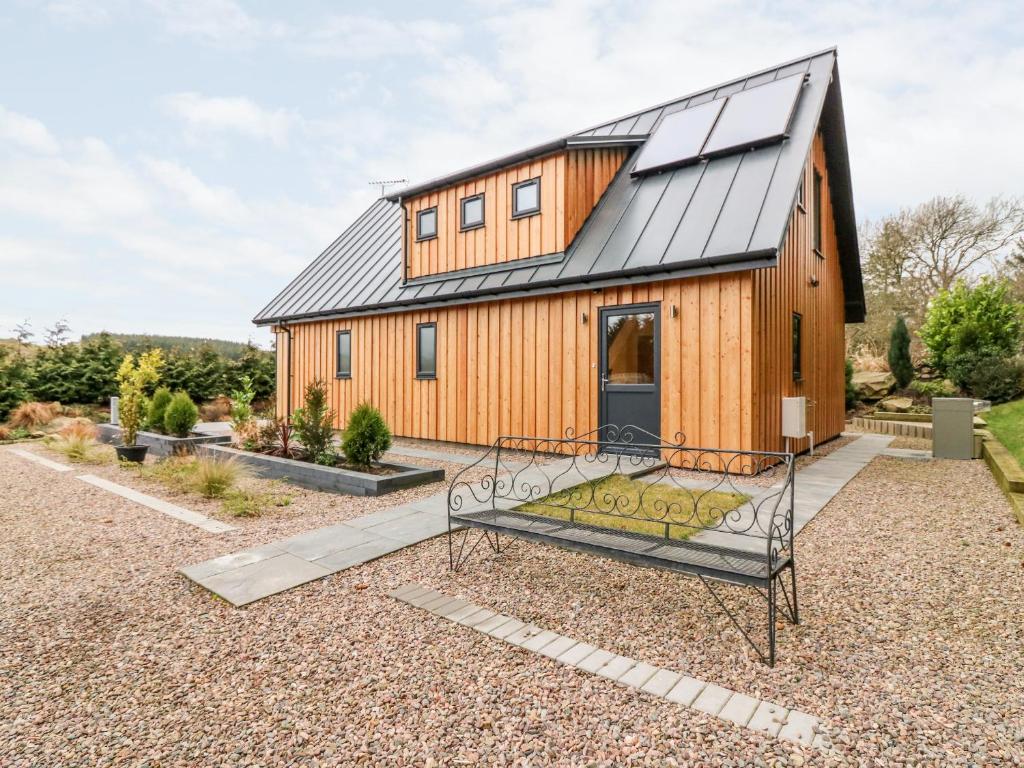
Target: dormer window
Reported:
point(525, 198)
point(426, 224)
point(472, 214)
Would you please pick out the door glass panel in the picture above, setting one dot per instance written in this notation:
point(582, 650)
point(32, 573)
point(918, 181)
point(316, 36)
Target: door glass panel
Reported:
point(630, 348)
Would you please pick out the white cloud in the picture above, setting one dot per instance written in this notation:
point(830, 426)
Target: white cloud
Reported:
point(229, 114)
point(214, 202)
point(26, 132)
point(217, 22)
point(369, 37)
point(78, 12)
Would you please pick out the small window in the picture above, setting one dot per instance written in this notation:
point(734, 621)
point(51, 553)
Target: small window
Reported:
point(344, 362)
point(526, 198)
point(798, 357)
point(800, 199)
point(426, 350)
point(472, 212)
point(426, 224)
point(816, 202)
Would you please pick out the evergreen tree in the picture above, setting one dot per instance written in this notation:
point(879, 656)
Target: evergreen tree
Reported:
point(899, 354)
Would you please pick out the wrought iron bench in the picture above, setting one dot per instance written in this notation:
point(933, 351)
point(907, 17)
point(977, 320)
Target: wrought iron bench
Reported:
point(626, 494)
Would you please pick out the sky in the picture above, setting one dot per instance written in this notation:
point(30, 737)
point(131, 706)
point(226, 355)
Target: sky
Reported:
point(167, 166)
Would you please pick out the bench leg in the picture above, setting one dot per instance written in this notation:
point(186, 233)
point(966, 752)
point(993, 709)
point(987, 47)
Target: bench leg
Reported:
point(772, 598)
point(789, 595)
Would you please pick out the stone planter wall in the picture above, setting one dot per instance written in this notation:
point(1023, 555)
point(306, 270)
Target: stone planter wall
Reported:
point(332, 479)
point(162, 445)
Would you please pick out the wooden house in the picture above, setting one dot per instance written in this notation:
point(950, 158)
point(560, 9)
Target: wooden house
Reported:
point(683, 268)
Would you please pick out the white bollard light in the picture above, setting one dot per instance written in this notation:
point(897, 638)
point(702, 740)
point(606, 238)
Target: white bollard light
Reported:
point(115, 415)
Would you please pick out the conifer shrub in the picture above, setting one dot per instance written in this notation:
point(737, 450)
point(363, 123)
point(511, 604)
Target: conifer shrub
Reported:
point(158, 408)
point(181, 415)
point(366, 437)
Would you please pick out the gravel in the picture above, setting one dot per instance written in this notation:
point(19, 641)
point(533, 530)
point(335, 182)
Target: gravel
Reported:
point(910, 647)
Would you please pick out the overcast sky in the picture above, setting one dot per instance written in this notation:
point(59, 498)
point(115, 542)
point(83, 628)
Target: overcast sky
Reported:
point(167, 166)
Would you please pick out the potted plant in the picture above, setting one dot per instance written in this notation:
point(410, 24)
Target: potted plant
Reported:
point(133, 377)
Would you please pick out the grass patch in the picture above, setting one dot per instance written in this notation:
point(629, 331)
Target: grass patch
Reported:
point(1006, 422)
point(239, 503)
point(80, 449)
point(684, 510)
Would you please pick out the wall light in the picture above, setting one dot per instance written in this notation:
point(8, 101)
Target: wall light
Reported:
point(583, 318)
point(673, 311)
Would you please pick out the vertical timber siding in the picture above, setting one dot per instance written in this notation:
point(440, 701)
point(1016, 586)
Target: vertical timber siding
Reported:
point(785, 289)
point(571, 183)
point(529, 366)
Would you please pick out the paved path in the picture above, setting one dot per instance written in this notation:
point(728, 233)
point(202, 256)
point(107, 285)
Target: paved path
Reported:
point(816, 485)
point(244, 577)
point(745, 711)
point(253, 574)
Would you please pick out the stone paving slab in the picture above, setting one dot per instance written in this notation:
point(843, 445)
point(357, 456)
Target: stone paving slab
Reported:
point(241, 586)
point(208, 524)
point(56, 466)
point(738, 708)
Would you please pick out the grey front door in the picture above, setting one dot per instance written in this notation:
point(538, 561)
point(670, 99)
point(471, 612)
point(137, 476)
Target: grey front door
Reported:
point(628, 373)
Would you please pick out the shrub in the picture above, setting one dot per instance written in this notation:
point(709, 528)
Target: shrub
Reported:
point(79, 448)
point(899, 354)
point(851, 391)
point(33, 415)
point(988, 374)
point(366, 437)
point(241, 503)
point(965, 320)
point(181, 415)
point(314, 421)
point(13, 380)
point(158, 408)
point(80, 428)
point(213, 477)
point(5, 433)
point(241, 404)
point(133, 381)
point(931, 389)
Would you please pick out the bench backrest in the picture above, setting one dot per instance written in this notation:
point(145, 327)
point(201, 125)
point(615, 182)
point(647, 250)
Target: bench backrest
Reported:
point(628, 479)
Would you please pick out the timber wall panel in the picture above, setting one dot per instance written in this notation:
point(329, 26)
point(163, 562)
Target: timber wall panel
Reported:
point(783, 290)
point(571, 184)
point(529, 366)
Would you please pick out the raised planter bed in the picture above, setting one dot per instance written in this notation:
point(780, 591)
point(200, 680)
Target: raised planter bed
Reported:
point(889, 416)
point(162, 445)
point(333, 479)
point(1007, 472)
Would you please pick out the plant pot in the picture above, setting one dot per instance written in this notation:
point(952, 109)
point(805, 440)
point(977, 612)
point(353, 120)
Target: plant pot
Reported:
point(133, 453)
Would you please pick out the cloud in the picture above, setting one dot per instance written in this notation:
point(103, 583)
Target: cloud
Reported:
point(78, 12)
point(369, 37)
point(26, 132)
point(217, 22)
point(213, 202)
point(229, 114)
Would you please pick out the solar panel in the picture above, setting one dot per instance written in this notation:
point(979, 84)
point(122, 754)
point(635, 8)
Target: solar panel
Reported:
point(678, 138)
point(756, 116)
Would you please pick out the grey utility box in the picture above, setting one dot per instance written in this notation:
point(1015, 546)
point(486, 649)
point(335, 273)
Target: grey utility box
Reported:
point(953, 426)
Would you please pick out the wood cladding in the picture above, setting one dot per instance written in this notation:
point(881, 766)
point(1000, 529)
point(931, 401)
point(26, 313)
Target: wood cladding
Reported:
point(528, 366)
point(780, 292)
point(571, 183)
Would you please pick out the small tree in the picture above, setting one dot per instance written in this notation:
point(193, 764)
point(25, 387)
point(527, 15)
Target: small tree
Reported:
point(983, 320)
point(314, 422)
point(158, 408)
point(851, 391)
point(181, 415)
point(366, 437)
point(899, 354)
point(133, 379)
point(241, 404)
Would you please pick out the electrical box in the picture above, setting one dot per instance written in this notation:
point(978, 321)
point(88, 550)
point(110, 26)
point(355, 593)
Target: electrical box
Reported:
point(953, 426)
point(794, 417)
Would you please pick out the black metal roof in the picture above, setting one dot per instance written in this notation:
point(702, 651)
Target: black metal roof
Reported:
point(727, 213)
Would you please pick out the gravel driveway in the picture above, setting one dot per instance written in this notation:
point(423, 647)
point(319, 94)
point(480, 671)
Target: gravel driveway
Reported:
point(912, 646)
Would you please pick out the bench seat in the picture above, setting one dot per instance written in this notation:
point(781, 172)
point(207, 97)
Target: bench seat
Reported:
point(735, 566)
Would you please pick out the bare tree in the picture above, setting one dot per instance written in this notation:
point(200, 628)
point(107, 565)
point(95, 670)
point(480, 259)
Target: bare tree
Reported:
point(23, 332)
point(951, 236)
point(57, 336)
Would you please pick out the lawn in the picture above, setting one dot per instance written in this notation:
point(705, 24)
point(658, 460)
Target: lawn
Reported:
point(600, 503)
point(1007, 423)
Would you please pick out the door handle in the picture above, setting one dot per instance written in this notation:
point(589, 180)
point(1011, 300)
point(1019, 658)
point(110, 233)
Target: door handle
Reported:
point(604, 383)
